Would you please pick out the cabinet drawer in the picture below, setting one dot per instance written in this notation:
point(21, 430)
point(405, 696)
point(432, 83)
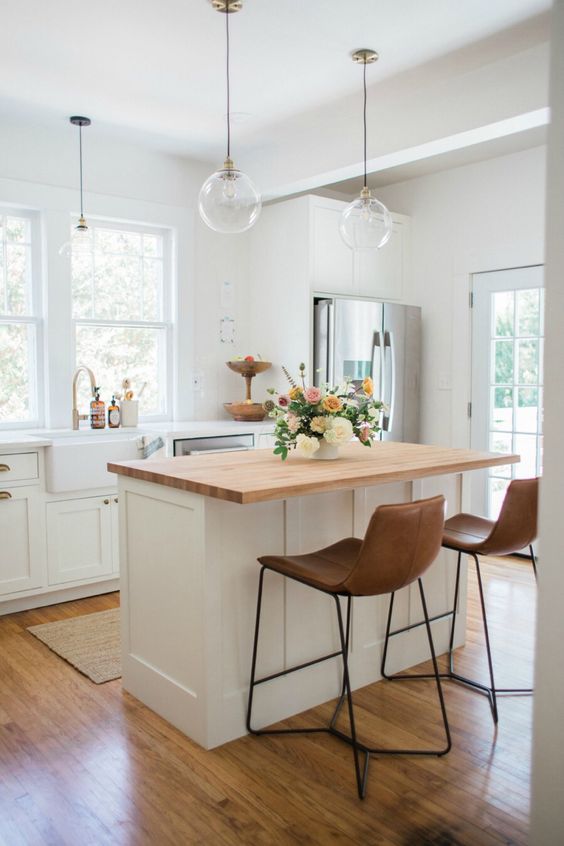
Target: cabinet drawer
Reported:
point(22, 465)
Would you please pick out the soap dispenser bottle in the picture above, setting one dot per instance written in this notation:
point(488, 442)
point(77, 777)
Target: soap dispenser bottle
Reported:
point(97, 411)
point(113, 414)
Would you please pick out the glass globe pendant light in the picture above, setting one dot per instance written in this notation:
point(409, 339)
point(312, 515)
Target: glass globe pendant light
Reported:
point(366, 223)
point(228, 200)
point(81, 238)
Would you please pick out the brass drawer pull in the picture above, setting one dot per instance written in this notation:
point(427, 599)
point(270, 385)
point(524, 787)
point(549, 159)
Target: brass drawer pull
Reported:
point(5, 468)
point(115, 499)
point(5, 495)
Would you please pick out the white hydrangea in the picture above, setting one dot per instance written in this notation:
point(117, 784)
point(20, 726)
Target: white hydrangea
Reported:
point(340, 432)
point(307, 446)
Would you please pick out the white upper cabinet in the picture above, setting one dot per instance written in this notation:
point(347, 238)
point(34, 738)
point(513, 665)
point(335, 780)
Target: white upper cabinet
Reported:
point(331, 259)
point(381, 273)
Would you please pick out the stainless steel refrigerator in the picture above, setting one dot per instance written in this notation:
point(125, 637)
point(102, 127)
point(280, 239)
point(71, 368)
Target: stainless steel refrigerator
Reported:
point(355, 338)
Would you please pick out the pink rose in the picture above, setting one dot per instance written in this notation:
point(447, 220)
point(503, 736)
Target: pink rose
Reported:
point(312, 395)
point(293, 422)
point(283, 400)
point(364, 432)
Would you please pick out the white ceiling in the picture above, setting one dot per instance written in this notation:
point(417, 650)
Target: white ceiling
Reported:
point(156, 67)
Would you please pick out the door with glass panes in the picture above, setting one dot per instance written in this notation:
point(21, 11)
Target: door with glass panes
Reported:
point(507, 378)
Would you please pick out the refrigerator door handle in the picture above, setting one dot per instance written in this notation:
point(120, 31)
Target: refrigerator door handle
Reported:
point(377, 370)
point(389, 369)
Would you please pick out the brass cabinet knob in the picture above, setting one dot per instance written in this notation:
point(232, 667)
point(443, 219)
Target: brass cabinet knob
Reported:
point(115, 499)
point(5, 495)
point(106, 502)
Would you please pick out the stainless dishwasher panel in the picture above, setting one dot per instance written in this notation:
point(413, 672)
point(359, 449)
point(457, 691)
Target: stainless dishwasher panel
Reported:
point(216, 443)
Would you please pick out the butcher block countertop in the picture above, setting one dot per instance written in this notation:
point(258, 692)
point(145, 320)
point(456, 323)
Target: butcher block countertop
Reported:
point(258, 475)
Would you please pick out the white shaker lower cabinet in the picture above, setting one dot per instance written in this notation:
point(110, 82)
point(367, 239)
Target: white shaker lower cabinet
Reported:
point(22, 547)
point(80, 539)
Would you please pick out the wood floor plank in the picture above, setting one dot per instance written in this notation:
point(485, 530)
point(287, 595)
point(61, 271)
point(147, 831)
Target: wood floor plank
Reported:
point(88, 764)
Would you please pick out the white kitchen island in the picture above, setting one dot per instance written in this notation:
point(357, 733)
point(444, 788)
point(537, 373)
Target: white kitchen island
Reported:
point(191, 530)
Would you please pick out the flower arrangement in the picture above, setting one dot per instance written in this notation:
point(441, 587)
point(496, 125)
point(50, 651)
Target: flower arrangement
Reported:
point(307, 415)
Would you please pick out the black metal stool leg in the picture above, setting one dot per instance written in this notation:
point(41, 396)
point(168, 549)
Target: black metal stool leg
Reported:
point(436, 667)
point(347, 649)
point(255, 647)
point(360, 780)
point(533, 560)
point(454, 607)
point(492, 697)
point(387, 638)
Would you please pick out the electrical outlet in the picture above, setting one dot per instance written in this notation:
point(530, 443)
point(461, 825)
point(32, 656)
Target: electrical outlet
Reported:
point(197, 380)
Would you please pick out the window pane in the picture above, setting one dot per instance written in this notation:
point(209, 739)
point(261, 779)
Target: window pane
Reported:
point(528, 368)
point(503, 310)
point(116, 352)
point(117, 287)
point(502, 409)
point(18, 230)
point(497, 489)
point(503, 362)
point(528, 312)
point(82, 269)
point(526, 447)
point(119, 278)
point(500, 442)
point(526, 413)
point(16, 355)
point(152, 289)
point(117, 241)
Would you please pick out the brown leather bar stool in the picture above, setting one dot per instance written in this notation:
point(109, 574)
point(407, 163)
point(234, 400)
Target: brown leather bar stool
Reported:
point(515, 529)
point(401, 542)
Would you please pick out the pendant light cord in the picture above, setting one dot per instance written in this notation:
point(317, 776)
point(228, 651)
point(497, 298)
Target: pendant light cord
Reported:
point(364, 120)
point(80, 148)
point(227, 79)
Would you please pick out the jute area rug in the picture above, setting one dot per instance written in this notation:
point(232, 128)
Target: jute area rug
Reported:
point(90, 643)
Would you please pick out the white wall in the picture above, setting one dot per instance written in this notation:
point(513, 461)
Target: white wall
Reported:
point(547, 822)
point(483, 216)
point(39, 170)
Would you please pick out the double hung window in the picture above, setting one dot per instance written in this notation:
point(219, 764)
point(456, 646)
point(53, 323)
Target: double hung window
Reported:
point(20, 322)
point(121, 297)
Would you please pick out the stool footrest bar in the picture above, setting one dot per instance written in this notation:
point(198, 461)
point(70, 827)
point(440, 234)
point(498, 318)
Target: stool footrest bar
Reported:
point(297, 667)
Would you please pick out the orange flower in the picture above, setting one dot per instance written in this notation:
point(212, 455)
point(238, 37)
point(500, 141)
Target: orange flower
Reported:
point(295, 393)
point(332, 403)
point(368, 386)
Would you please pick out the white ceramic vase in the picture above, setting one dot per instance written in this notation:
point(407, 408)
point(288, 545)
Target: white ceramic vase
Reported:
point(326, 451)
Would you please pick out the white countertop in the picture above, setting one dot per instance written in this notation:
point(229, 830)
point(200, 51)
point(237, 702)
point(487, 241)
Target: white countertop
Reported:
point(22, 438)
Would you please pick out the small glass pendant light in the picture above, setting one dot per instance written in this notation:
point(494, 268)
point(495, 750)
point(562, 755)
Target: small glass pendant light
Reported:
point(366, 223)
point(81, 238)
point(228, 200)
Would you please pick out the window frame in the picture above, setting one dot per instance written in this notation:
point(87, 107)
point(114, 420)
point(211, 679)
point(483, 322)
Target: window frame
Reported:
point(35, 319)
point(166, 324)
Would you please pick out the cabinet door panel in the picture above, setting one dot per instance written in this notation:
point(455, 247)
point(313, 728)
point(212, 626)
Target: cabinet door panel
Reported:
point(79, 539)
point(21, 541)
point(332, 259)
point(380, 273)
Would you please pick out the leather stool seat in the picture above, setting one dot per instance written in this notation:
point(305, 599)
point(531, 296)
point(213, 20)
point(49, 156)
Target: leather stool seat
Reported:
point(326, 569)
point(467, 532)
point(401, 542)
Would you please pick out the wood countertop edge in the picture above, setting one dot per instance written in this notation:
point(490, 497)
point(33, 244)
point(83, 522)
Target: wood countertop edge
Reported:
point(241, 497)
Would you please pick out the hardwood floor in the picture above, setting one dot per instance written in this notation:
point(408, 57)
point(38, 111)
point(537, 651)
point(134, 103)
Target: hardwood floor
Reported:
point(86, 764)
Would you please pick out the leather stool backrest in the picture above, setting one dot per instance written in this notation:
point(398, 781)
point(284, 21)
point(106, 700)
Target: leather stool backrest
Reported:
point(401, 542)
point(516, 526)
